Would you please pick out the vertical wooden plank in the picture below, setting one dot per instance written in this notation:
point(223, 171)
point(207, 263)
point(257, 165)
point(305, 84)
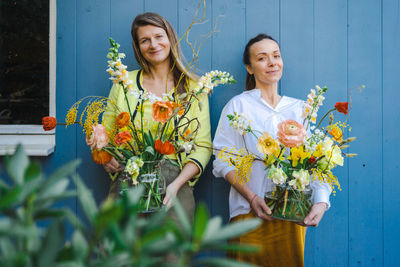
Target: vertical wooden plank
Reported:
point(365, 173)
point(93, 30)
point(330, 65)
point(228, 44)
point(297, 46)
point(65, 90)
point(166, 8)
point(262, 17)
point(296, 41)
point(187, 9)
point(391, 120)
point(123, 12)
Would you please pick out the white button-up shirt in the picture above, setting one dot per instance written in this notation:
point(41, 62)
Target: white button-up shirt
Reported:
point(263, 118)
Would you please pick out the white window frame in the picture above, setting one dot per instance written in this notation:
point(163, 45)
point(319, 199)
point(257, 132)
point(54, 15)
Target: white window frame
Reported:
point(35, 140)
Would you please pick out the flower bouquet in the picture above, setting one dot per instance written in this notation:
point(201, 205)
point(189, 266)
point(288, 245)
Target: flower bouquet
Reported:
point(140, 145)
point(299, 155)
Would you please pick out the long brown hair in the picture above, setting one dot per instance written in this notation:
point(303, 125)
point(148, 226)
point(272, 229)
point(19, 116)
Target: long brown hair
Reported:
point(250, 80)
point(176, 57)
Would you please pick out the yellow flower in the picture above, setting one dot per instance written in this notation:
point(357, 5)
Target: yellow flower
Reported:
point(267, 145)
point(298, 154)
point(318, 151)
point(269, 159)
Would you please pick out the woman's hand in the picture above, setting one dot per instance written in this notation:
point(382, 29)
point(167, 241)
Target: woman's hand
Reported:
point(172, 190)
point(314, 217)
point(259, 207)
point(112, 166)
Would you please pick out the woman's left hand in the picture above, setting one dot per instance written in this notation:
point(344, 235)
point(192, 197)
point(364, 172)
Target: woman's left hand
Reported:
point(172, 190)
point(314, 217)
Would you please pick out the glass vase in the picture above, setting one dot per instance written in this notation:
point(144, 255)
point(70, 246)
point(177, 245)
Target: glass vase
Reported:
point(289, 204)
point(153, 182)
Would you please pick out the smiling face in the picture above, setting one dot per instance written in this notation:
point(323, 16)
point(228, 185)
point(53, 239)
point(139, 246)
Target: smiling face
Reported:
point(154, 44)
point(265, 62)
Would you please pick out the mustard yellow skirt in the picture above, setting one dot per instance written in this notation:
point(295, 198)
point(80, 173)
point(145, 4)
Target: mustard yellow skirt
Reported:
point(280, 243)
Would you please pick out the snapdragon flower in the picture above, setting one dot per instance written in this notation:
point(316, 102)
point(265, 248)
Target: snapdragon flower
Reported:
point(240, 123)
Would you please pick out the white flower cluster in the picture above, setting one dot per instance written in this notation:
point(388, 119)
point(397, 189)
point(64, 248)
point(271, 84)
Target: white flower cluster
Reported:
point(118, 71)
point(314, 101)
point(211, 79)
point(316, 137)
point(240, 123)
point(133, 168)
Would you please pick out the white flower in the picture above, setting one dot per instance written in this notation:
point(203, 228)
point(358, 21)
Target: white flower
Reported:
point(188, 146)
point(240, 123)
point(302, 179)
point(133, 168)
point(277, 175)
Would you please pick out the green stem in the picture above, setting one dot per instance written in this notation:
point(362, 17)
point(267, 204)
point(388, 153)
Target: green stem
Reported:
point(326, 114)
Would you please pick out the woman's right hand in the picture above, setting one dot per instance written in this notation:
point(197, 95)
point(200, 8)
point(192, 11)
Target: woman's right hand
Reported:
point(260, 209)
point(112, 166)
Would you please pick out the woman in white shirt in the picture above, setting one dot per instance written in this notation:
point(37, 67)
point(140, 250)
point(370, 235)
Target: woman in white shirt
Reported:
point(281, 242)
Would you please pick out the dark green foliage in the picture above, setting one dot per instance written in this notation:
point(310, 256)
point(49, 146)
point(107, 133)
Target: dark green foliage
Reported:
point(115, 234)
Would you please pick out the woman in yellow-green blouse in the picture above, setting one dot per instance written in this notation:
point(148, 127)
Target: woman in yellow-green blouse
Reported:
point(156, 50)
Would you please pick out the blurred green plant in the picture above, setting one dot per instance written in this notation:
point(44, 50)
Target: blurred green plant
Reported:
point(114, 234)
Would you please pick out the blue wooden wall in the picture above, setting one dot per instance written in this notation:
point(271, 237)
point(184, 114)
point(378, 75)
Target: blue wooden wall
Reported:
point(338, 43)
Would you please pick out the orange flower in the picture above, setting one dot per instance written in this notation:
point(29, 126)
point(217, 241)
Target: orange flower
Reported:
point(162, 110)
point(101, 156)
point(186, 133)
point(342, 107)
point(49, 123)
point(165, 148)
point(181, 109)
point(122, 138)
point(336, 133)
point(122, 119)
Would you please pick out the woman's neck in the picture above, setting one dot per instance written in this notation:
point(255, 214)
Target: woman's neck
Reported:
point(155, 80)
point(269, 92)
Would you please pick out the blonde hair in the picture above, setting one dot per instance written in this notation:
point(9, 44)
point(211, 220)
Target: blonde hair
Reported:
point(176, 57)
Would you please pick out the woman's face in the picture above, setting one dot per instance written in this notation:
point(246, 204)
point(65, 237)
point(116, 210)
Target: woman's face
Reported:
point(265, 62)
point(153, 44)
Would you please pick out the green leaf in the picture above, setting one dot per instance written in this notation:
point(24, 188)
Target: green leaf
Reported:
point(121, 259)
point(233, 229)
point(106, 216)
point(231, 247)
point(200, 221)
point(33, 171)
point(29, 188)
point(62, 172)
point(222, 262)
point(79, 245)
point(17, 164)
point(149, 150)
point(213, 226)
point(86, 199)
point(10, 197)
point(182, 217)
point(6, 247)
point(56, 188)
point(44, 202)
point(52, 244)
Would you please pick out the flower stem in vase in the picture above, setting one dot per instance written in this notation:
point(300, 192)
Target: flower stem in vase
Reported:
point(284, 205)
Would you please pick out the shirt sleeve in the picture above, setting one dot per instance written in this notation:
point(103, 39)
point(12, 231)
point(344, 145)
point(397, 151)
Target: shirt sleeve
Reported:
point(202, 140)
point(225, 137)
point(320, 192)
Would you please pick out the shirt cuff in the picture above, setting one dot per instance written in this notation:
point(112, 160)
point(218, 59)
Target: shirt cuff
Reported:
point(321, 196)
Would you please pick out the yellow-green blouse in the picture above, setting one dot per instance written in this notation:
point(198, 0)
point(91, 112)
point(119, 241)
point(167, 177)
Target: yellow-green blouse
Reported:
point(200, 156)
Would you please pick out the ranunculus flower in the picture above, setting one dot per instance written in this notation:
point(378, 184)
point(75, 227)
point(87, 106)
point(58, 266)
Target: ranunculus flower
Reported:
point(122, 119)
point(266, 144)
point(291, 133)
point(122, 138)
point(277, 175)
point(162, 110)
point(165, 148)
point(49, 123)
point(101, 156)
point(133, 168)
point(98, 138)
point(302, 179)
point(342, 107)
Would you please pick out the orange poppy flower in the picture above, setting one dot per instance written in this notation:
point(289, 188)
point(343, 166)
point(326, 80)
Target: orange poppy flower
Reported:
point(165, 148)
point(101, 156)
point(342, 107)
point(49, 123)
point(162, 110)
point(122, 138)
point(122, 119)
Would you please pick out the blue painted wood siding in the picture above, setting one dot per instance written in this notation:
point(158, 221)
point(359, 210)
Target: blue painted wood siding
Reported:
point(341, 44)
